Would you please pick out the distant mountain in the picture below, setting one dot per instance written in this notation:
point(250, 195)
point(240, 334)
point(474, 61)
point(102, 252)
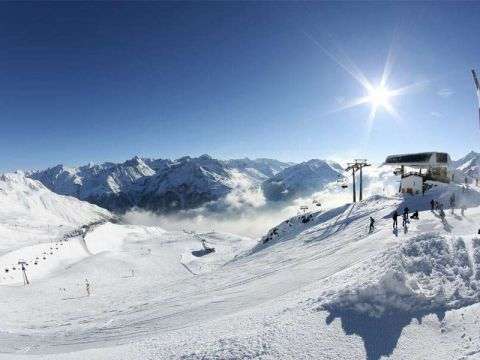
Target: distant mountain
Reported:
point(258, 169)
point(160, 185)
point(301, 179)
point(468, 165)
point(26, 201)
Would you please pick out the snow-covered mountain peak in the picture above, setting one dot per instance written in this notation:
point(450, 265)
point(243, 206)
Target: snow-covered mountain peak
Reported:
point(25, 199)
point(468, 165)
point(301, 179)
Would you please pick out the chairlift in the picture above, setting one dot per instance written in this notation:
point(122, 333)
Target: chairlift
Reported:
point(342, 181)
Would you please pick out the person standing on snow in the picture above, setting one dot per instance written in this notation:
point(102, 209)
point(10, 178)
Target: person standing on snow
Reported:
point(432, 205)
point(372, 225)
point(405, 215)
point(87, 287)
point(442, 213)
point(452, 202)
point(394, 217)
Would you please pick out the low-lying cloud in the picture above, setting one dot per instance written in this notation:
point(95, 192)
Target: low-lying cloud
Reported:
point(244, 211)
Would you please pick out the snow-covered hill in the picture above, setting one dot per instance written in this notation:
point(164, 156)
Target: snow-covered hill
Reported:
point(157, 184)
point(32, 214)
point(316, 286)
point(301, 179)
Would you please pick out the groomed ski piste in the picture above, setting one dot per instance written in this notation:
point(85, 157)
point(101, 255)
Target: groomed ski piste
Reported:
point(316, 286)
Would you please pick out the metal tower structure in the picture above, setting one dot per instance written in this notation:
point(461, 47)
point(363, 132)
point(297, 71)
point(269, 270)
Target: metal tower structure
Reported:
point(477, 86)
point(357, 165)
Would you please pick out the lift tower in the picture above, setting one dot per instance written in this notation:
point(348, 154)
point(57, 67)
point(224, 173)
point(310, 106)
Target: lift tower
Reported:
point(477, 86)
point(358, 165)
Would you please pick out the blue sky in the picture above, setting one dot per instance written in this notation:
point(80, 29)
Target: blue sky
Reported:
point(94, 82)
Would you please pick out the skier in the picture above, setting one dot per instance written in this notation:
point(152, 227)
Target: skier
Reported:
point(432, 205)
point(405, 216)
point(394, 217)
point(372, 225)
point(87, 287)
point(452, 202)
point(414, 215)
point(442, 213)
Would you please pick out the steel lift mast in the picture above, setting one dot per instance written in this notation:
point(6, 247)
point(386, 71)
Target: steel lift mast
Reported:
point(477, 86)
point(358, 165)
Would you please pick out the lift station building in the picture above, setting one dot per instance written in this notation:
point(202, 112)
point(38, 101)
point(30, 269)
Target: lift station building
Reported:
point(417, 168)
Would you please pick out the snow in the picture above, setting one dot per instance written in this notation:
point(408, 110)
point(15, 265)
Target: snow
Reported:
point(315, 286)
point(156, 184)
point(301, 179)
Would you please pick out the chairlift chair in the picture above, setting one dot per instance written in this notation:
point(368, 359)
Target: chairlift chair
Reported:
point(342, 182)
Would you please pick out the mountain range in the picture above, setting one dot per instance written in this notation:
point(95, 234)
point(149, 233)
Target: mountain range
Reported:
point(164, 185)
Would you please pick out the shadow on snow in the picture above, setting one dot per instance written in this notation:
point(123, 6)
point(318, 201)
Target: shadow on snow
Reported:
point(379, 334)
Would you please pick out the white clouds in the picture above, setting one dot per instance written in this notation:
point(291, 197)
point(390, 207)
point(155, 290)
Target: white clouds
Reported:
point(245, 212)
point(445, 93)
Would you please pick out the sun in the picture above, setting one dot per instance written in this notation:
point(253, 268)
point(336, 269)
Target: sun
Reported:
point(379, 96)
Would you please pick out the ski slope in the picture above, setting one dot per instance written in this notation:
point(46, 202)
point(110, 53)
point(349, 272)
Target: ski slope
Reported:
point(316, 286)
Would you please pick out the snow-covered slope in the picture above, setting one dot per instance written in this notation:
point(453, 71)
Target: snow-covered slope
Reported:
point(316, 286)
point(29, 212)
point(301, 179)
point(259, 169)
point(157, 184)
point(25, 199)
point(469, 165)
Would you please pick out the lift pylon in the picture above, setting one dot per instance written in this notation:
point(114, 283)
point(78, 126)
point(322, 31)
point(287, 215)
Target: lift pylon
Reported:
point(357, 165)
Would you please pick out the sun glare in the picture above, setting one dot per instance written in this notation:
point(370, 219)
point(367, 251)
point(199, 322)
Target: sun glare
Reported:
point(379, 96)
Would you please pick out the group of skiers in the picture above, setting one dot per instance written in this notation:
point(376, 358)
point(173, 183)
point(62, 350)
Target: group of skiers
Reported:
point(405, 214)
point(405, 219)
point(434, 205)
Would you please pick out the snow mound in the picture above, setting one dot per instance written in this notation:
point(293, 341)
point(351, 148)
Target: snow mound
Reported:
point(428, 273)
